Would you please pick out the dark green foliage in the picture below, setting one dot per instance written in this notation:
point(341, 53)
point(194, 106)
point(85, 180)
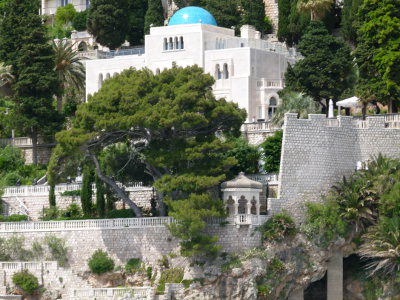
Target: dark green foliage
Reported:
point(349, 23)
point(154, 15)
point(291, 24)
point(379, 36)
point(100, 262)
point(137, 12)
point(272, 147)
point(253, 13)
point(133, 265)
point(279, 227)
point(72, 193)
point(107, 21)
point(13, 218)
point(169, 276)
point(120, 214)
point(149, 272)
point(79, 22)
point(26, 281)
point(100, 197)
point(86, 191)
point(225, 12)
point(32, 61)
point(52, 195)
point(247, 157)
point(323, 73)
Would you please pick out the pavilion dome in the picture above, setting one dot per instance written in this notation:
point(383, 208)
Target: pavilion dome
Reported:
point(192, 15)
point(241, 181)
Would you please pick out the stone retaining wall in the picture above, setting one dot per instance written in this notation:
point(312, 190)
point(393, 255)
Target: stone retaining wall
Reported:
point(317, 152)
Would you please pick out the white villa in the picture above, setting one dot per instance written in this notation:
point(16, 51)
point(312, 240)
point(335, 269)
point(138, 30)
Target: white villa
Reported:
point(247, 69)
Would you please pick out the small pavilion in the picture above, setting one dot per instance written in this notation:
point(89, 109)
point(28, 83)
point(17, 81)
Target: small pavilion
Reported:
point(241, 198)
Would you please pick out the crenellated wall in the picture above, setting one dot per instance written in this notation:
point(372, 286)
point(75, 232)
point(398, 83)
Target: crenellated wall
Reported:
point(317, 152)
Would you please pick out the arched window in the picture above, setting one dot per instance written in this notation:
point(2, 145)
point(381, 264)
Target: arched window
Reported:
point(100, 81)
point(157, 71)
point(115, 74)
point(171, 44)
point(182, 43)
point(82, 46)
point(177, 46)
point(218, 72)
point(165, 44)
point(108, 76)
point(226, 71)
point(272, 107)
point(216, 43)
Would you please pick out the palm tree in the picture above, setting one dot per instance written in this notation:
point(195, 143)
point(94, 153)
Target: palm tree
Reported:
point(316, 8)
point(69, 69)
point(293, 102)
point(381, 244)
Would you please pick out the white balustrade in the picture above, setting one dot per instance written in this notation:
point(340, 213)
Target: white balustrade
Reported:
point(28, 265)
point(111, 293)
point(261, 126)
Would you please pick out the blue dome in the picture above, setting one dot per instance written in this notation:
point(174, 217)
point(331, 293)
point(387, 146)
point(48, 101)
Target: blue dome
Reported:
point(192, 15)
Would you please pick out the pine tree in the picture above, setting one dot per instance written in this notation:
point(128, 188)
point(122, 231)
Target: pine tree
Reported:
point(86, 191)
point(108, 22)
point(100, 199)
point(24, 46)
point(350, 19)
point(291, 24)
point(154, 15)
point(137, 10)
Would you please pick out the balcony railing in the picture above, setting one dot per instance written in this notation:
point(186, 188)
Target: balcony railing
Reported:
point(265, 126)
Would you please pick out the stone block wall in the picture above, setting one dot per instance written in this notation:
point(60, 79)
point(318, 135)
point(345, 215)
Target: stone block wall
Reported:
point(44, 153)
point(148, 243)
point(271, 10)
point(317, 152)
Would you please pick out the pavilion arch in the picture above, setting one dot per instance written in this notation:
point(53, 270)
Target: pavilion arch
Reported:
point(82, 46)
point(218, 72)
point(108, 76)
point(226, 71)
point(182, 43)
point(115, 74)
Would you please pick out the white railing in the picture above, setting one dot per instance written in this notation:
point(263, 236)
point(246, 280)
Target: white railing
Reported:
point(260, 126)
point(42, 190)
point(264, 178)
point(332, 122)
point(102, 224)
point(361, 124)
point(10, 297)
point(28, 265)
point(136, 292)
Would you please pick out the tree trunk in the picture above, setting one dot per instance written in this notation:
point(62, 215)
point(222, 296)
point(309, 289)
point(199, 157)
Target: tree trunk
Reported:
point(59, 104)
point(34, 148)
point(162, 208)
point(121, 194)
point(364, 110)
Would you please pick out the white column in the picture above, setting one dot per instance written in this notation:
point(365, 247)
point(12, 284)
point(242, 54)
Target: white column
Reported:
point(335, 277)
point(43, 6)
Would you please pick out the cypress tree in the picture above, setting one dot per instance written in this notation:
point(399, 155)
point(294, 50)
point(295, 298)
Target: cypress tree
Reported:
point(108, 22)
point(24, 46)
point(253, 13)
point(137, 10)
point(52, 195)
point(86, 191)
point(100, 200)
point(226, 12)
point(154, 15)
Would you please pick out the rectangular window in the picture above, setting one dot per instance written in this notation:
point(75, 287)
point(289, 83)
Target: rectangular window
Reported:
point(64, 2)
point(87, 3)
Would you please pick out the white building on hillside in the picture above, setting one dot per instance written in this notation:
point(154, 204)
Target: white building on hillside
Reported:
point(49, 7)
point(247, 70)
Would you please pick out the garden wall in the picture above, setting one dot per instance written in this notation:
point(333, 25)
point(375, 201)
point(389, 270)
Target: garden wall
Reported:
point(317, 152)
point(147, 238)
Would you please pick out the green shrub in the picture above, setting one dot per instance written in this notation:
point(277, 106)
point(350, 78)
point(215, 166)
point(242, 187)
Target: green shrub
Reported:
point(79, 21)
point(51, 213)
point(169, 276)
point(13, 218)
point(100, 262)
point(120, 214)
point(71, 193)
point(26, 281)
point(278, 227)
point(233, 262)
point(149, 272)
point(58, 250)
point(74, 211)
point(271, 155)
point(133, 265)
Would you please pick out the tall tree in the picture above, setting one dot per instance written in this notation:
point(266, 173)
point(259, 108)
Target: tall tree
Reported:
point(349, 22)
point(100, 197)
point(86, 191)
point(32, 65)
point(253, 13)
point(171, 120)
point(154, 15)
point(108, 22)
point(323, 72)
point(70, 70)
point(137, 11)
point(379, 32)
point(225, 12)
point(291, 24)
